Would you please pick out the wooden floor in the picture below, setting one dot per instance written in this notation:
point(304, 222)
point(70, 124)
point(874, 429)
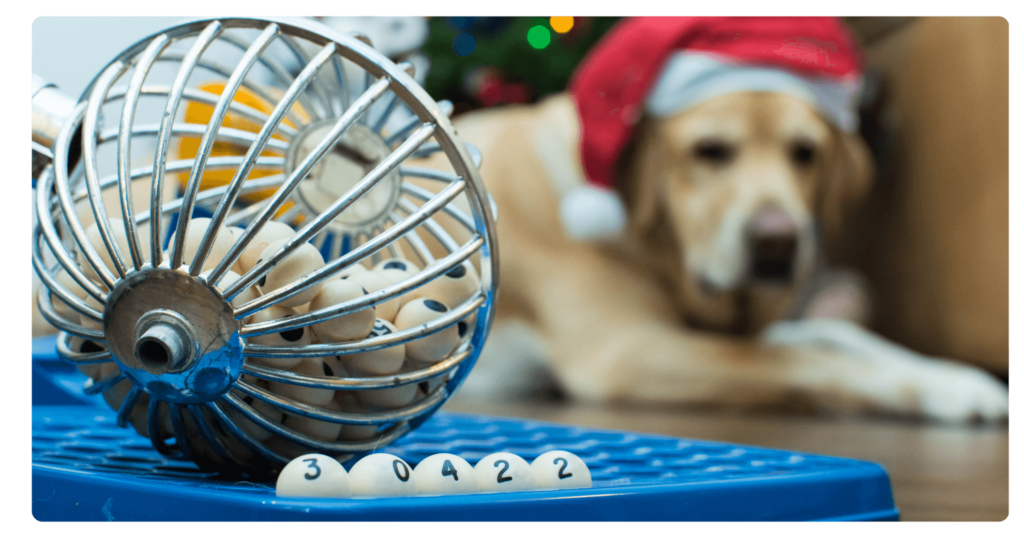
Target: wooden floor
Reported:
point(938, 473)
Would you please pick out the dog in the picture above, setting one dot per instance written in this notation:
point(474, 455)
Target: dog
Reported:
point(716, 292)
point(703, 300)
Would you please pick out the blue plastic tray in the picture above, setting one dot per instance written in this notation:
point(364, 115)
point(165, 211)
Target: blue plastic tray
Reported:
point(86, 468)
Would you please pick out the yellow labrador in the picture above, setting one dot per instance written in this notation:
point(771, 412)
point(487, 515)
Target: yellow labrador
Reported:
point(729, 204)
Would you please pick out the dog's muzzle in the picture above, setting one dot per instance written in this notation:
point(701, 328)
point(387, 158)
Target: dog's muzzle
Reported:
point(772, 243)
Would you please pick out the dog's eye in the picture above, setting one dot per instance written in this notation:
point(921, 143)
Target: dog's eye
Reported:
point(803, 154)
point(714, 152)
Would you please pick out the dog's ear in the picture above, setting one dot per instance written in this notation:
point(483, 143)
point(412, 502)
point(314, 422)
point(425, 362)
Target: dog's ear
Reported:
point(637, 181)
point(845, 182)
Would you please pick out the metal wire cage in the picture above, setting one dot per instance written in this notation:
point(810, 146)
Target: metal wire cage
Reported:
point(296, 139)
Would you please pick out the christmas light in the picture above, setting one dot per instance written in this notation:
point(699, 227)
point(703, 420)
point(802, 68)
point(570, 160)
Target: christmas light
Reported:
point(464, 44)
point(539, 37)
point(561, 24)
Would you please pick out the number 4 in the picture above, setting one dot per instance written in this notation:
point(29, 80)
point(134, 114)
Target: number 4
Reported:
point(449, 470)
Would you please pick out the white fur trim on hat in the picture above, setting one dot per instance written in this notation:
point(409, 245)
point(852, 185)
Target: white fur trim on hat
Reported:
point(690, 78)
point(590, 213)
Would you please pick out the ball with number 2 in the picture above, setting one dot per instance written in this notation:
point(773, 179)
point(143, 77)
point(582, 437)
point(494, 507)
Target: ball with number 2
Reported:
point(558, 469)
point(504, 471)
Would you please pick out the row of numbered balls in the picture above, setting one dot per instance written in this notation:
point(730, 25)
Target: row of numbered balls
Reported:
point(386, 475)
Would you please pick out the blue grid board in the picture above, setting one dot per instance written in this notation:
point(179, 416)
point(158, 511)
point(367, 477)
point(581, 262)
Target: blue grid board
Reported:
point(87, 468)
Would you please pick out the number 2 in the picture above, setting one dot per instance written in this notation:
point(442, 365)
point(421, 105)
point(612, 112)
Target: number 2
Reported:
point(562, 469)
point(449, 470)
point(312, 465)
point(501, 473)
point(398, 464)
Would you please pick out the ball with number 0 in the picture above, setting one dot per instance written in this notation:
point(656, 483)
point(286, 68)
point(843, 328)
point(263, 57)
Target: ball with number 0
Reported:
point(313, 475)
point(445, 474)
point(558, 469)
point(504, 471)
point(382, 475)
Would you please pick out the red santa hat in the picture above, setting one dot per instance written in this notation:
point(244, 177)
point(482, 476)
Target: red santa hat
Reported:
point(660, 66)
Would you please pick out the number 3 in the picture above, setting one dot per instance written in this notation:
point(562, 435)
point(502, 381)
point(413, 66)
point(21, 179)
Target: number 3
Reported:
point(562, 469)
point(312, 465)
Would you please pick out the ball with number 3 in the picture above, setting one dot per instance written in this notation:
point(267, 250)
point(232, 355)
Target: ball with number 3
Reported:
point(504, 471)
point(313, 475)
point(382, 475)
point(445, 474)
point(559, 469)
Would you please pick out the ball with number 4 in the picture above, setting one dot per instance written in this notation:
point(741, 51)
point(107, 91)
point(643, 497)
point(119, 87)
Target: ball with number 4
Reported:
point(313, 475)
point(504, 471)
point(446, 473)
point(559, 469)
point(382, 475)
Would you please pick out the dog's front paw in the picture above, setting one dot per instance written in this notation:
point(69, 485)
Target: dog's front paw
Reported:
point(874, 374)
point(957, 393)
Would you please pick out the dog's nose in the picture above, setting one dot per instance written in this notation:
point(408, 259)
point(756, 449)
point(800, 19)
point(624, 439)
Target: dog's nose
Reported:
point(772, 239)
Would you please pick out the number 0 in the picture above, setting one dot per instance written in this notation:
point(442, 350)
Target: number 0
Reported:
point(398, 464)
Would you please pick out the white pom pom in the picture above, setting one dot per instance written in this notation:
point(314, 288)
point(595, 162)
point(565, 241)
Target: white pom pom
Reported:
point(592, 213)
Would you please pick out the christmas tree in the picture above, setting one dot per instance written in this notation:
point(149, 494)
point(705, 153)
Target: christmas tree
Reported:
point(487, 61)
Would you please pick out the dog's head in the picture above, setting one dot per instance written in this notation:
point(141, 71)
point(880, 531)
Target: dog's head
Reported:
point(743, 186)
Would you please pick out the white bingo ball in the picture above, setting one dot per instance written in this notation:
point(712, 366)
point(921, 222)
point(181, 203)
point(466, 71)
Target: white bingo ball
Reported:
point(269, 412)
point(351, 270)
point(397, 270)
point(194, 235)
point(298, 337)
point(504, 471)
point(382, 475)
point(383, 361)
point(248, 294)
point(354, 326)
point(433, 347)
point(559, 469)
point(285, 447)
point(81, 345)
point(445, 474)
point(121, 238)
point(236, 234)
point(466, 326)
point(389, 398)
point(392, 397)
point(316, 428)
point(88, 322)
point(349, 403)
point(398, 264)
point(373, 281)
point(303, 260)
point(313, 475)
point(115, 395)
point(451, 288)
point(63, 309)
point(270, 232)
point(312, 367)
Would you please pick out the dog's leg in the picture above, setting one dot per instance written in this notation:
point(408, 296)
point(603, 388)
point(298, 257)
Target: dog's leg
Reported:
point(906, 380)
point(613, 337)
